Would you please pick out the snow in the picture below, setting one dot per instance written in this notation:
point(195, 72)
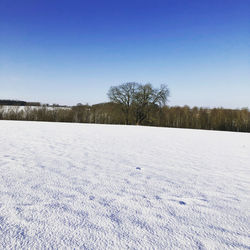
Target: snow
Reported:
point(116, 187)
point(8, 108)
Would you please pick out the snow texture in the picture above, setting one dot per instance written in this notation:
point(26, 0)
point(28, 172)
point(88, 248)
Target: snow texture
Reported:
point(8, 108)
point(88, 186)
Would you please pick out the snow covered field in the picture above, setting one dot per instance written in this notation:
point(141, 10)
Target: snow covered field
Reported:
point(117, 187)
point(7, 108)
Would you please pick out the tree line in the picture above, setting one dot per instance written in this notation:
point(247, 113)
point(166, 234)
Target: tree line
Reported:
point(136, 104)
point(23, 103)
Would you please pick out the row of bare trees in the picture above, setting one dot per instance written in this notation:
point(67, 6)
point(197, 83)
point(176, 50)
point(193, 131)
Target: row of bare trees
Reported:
point(110, 113)
point(136, 104)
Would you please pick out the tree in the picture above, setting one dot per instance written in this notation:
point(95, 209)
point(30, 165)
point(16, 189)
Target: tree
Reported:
point(123, 95)
point(147, 100)
point(139, 98)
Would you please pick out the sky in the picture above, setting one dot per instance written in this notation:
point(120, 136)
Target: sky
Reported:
point(72, 51)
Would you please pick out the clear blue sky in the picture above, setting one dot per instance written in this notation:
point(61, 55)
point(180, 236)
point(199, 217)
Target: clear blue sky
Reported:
point(72, 51)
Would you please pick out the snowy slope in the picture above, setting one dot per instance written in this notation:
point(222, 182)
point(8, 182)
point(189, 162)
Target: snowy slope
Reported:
point(78, 186)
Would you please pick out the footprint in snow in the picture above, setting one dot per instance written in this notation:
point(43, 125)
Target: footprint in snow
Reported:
point(91, 197)
point(157, 197)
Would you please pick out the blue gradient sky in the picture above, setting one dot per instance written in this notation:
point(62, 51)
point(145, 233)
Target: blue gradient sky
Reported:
point(72, 51)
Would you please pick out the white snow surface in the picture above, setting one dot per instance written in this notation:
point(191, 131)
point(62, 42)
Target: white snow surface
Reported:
point(65, 186)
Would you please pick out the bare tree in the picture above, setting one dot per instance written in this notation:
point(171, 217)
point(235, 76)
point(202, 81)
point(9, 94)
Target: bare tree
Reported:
point(139, 98)
point(147, 100)
point(123, 95)
point(1, 112)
